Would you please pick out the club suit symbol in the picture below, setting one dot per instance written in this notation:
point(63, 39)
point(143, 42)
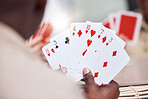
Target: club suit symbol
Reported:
point(57, 46)
point(67, 40)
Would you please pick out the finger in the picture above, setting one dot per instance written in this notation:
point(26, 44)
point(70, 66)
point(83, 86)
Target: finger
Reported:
point(42, 56)
point(117, 95)
point(114, 85)
point(88, 77)
point(48, 31)
point(46, 41)
point(115, 88)
point(37, 48)
point(34, 41)
point(62, 69)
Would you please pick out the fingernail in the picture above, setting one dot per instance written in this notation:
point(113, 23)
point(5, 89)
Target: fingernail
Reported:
point(86, 71)
point(64, 69)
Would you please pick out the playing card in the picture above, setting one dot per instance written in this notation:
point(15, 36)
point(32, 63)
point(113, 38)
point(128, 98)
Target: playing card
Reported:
point(62, 47)
point(78, 36)
point(50, 56)
point(128, 26)
point(80, 31)
point(61, 44)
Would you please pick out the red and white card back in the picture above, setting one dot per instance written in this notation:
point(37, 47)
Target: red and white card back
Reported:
point(129, 25)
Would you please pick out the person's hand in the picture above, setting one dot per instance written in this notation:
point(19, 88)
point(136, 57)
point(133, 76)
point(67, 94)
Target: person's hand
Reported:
point(36, 45)
point(94, 91)
point(40, 39)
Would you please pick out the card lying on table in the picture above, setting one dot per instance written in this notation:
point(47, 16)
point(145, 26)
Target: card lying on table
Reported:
point(87, 45)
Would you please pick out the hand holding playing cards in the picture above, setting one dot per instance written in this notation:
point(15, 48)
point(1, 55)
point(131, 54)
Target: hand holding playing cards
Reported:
point(87, 45)
point(94, 91)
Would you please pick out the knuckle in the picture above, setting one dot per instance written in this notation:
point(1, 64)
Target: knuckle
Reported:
point(91, 88)
point(89, 80)
point(88, 77)
point(116, 85)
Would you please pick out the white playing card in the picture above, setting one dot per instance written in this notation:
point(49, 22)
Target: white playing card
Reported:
point(50, 56)
point(79, 35)
point(63, 49)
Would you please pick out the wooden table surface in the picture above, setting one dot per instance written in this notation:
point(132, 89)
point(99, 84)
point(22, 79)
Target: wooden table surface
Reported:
point(135, 73)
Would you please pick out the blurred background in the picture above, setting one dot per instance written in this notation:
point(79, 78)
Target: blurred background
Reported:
point(60, 13)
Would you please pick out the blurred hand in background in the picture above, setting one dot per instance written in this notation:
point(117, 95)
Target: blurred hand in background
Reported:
point(40, 39)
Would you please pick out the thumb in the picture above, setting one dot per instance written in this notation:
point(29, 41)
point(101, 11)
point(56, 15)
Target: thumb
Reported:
point(88, 77)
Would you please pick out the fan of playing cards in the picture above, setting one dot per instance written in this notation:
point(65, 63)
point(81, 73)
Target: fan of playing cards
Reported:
point(87, 45)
